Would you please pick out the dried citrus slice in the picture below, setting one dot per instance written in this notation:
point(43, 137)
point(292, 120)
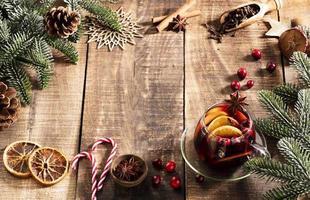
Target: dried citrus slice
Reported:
point(48, 166)
point(293, 40)
point(15, 157)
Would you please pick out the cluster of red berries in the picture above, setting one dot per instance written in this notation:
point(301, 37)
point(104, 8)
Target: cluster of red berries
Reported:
point(242, 72)
point(170, 166)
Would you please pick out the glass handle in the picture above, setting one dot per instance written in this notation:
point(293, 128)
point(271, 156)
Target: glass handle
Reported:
point(260, 151)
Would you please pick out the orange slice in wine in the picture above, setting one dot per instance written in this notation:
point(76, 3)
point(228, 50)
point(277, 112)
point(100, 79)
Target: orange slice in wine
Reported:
point(15, 157)
point(226, 132)
point(222, 121)
point(48, 166)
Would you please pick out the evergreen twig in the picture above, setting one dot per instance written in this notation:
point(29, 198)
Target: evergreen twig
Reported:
point(105, 15)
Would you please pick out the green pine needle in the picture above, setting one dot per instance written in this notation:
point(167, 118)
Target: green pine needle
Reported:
point(273, 170)
point(270, 127)
point(64, 47)
point(277, 107)
point(289, 191)
point(15, 76)
point(105, 15)
point(301, 62)
point(295, 155)
point(287, 92)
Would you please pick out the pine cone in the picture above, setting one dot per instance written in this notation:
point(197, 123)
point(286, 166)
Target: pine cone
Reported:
point(9, 106)
point(61, 22)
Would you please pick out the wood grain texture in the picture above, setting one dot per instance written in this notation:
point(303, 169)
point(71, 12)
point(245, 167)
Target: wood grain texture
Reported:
point(209, 69)
point(136, 97)
point(53, 119)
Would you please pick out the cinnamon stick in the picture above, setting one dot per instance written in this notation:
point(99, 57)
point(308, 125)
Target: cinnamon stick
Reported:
point(165, 23)
point(188, 14)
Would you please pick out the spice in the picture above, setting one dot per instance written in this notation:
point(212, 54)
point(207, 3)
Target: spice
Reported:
point(129, 169)
point(232, 20)
point(236, 17)
point(178, 24)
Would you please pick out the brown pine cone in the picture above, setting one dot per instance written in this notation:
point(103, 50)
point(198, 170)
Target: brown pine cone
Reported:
point(61, 22)
point(9, 106)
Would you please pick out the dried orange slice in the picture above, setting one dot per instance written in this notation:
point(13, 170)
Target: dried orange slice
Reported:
point(15, 157)
point(48, 166)
point(293, 40)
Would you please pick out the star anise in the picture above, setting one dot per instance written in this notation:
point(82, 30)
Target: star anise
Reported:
point(236, 102)
point(178, 23)
point(129, 169)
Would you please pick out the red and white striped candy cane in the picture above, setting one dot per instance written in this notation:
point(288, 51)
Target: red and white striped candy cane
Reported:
point(94, 170)
point(96, 186)
point(109, 160)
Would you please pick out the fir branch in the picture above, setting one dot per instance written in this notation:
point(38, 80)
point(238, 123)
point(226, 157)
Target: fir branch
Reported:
point(293, 152)
point(273, 170)
point(277, 107)
point(289, 191)
point(104, 15)
point(18, 45)
point(302, 107)
point(287, 92)
point(15, 76)
point(64, 47)
point(40, 59)
point(77, 35)
point(270, 127)
point(73, 4)
point(4, 32)
point(301, 62)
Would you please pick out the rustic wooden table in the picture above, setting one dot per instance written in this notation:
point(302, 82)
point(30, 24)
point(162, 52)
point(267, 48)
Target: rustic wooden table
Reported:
point(144, 97)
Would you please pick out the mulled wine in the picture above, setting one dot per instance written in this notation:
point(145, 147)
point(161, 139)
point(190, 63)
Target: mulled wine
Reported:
point(224, 134)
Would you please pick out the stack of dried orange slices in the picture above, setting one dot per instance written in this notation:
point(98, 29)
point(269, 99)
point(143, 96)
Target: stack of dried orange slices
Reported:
point(25, 159)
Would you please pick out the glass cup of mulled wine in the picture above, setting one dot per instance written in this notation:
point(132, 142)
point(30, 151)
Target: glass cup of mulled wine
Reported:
point(225, 136)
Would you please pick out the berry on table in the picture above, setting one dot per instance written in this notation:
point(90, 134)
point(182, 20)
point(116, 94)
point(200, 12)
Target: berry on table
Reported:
point(235, 85)
point(271, 66)
point(242, 73)
point(250, 84)
point(200, 179)
point(157, 163)
point(170, 166)
point(175, 182)
point(257, 54)
point(156, 180)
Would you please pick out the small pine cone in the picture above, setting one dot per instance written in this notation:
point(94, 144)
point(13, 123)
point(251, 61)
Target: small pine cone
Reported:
point(9, 106)
point(61, 22)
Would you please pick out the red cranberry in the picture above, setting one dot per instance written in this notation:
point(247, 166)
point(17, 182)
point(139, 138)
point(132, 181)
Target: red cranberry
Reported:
point(242, 73)
point(235, 85)
point(250, 84)
point(170, 166)
point(175, 182)
point(200, 179)
point(157, 163)
point(257, 54)
point(271, 66)
point(156, 180)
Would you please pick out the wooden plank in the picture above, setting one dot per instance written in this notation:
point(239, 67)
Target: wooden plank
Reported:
point(209, 69)
point(53, 119)
point(136, 97)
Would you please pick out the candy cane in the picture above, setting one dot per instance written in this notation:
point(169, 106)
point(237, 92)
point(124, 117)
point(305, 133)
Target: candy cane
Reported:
point(96, 186)
point(109, 160)
point(94, 170)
